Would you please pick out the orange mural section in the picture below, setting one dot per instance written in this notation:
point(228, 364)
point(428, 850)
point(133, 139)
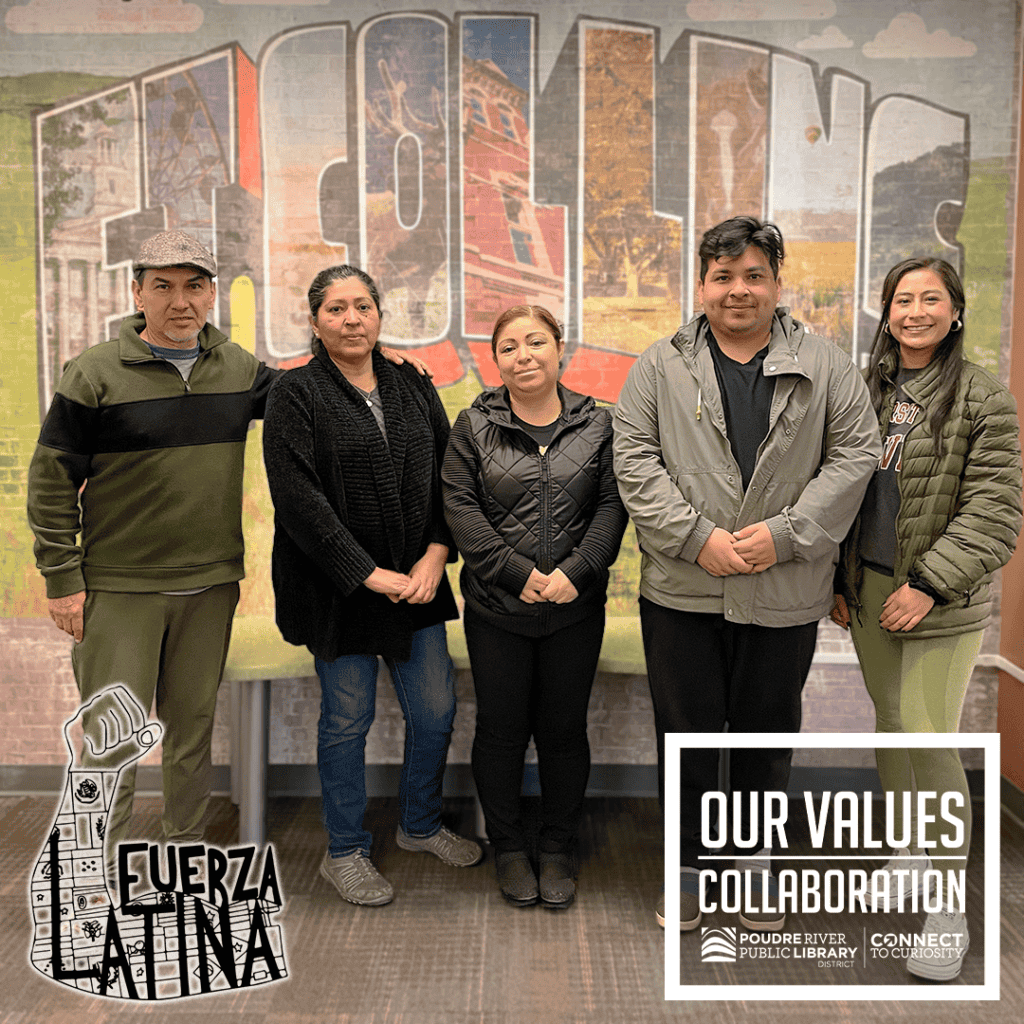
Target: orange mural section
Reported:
point(250, 175)
point(729, 129)
point(513, 249)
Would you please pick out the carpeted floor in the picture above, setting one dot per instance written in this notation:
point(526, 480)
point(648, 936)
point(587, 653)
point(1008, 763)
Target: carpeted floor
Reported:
point(448, 950)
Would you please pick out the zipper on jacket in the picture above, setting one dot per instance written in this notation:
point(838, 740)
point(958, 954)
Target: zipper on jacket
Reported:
point(185, 380)
point(545, 504)
point(173, 369)
point(966, 594)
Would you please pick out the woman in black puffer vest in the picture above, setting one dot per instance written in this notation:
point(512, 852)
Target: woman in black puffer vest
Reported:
point(531, 500)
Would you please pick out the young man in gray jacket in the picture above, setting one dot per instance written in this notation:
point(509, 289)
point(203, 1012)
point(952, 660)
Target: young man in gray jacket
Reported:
point(743, 447)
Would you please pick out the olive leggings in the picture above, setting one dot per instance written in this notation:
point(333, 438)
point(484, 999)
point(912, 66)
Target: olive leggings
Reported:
point(917, 686)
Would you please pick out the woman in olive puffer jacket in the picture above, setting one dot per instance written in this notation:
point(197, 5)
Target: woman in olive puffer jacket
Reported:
point(941, 514)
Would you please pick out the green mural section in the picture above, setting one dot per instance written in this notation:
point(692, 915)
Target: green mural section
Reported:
point(985, 236)
point(21, 591)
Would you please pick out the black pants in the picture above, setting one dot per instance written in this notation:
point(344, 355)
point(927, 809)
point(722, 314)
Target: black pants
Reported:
point(706, 672)
point(537, 686)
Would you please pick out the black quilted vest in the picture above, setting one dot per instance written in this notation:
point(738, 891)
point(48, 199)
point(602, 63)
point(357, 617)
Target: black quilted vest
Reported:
point(541, 505)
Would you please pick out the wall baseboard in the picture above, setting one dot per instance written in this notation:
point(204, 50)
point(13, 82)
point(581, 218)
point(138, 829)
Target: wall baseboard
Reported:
point(611, 780)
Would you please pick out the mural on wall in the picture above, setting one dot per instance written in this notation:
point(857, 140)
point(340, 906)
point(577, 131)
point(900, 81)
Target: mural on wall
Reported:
point(470, 161)
point(438, 167)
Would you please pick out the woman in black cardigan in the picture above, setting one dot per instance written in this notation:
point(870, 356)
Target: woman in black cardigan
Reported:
point(532, 502)
point(353, 448)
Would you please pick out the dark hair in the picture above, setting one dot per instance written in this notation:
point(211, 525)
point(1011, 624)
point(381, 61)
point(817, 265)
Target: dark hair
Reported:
point(538, 313)
point(949, 355)
point(323, 281)
point(733, 237)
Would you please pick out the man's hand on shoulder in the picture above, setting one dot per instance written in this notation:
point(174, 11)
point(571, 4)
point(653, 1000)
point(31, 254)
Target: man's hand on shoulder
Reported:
point(718, 557)
point(68, 613)
point(756, 546)
point(392, 355)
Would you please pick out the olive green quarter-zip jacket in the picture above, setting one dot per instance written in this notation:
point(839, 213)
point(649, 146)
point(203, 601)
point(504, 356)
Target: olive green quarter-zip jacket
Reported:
point(161, 460)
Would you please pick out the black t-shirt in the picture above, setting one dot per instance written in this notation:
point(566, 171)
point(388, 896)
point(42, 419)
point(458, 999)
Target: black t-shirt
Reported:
point(541, 434)
point(747, 402)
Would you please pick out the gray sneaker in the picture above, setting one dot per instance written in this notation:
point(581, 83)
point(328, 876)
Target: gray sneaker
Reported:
point(356, 879)
point(689, 902)
point(942, 946)
point(445, 845)
point(770, 918)
point(885, 888)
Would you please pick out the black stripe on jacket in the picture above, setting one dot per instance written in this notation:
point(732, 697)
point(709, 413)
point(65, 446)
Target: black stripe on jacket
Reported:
point(176, 422)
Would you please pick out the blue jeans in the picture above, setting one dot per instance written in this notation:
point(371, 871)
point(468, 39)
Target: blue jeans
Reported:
point(425, 685)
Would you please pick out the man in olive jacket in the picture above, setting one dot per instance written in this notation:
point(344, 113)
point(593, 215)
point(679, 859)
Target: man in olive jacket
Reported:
point(743, 447)
point(135, 500)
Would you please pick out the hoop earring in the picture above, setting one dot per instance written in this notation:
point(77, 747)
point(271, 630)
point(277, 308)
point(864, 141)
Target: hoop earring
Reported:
point(885, 327)
point(956, 325)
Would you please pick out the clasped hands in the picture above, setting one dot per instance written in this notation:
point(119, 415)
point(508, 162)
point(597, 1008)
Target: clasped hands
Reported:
point(418, 585)
point(749, 550)
point(555, 587)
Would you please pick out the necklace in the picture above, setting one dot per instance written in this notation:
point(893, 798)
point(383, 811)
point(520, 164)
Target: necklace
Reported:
point(365, 394)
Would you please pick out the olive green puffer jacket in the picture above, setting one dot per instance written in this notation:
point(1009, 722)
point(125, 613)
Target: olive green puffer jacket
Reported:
point(960, 512)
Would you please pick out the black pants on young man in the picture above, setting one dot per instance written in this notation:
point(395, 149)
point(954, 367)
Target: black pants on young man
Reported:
point(706, 672)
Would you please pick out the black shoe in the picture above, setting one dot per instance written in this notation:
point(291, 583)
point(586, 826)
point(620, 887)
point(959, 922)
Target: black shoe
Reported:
point(516, 879)
point(557, 880)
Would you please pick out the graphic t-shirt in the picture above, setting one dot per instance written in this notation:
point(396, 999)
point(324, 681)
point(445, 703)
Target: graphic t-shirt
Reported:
point(882, 501)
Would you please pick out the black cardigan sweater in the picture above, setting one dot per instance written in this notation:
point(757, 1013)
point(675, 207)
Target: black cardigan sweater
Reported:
point(346, 501)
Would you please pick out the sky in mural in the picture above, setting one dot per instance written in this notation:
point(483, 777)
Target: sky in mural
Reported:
point(909, 46)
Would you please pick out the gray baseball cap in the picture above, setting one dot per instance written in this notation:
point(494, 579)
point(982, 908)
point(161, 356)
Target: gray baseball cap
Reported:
point(174, 249)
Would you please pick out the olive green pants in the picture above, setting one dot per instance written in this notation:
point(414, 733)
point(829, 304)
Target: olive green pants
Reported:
point(173, 648)
point(917, 686)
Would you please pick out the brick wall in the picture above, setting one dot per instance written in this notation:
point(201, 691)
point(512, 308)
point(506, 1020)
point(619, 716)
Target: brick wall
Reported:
point(37, 693)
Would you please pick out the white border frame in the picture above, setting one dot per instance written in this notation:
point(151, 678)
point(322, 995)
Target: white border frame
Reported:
point(989, 990)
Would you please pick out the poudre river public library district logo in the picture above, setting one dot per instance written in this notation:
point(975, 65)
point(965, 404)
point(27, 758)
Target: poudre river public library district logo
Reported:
point(728, 945)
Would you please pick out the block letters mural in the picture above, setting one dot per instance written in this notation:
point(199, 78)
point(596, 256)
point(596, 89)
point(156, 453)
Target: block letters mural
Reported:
point(565, 155)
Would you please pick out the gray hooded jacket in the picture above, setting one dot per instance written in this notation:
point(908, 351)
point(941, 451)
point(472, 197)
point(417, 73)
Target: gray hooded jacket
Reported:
point(679, 479)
